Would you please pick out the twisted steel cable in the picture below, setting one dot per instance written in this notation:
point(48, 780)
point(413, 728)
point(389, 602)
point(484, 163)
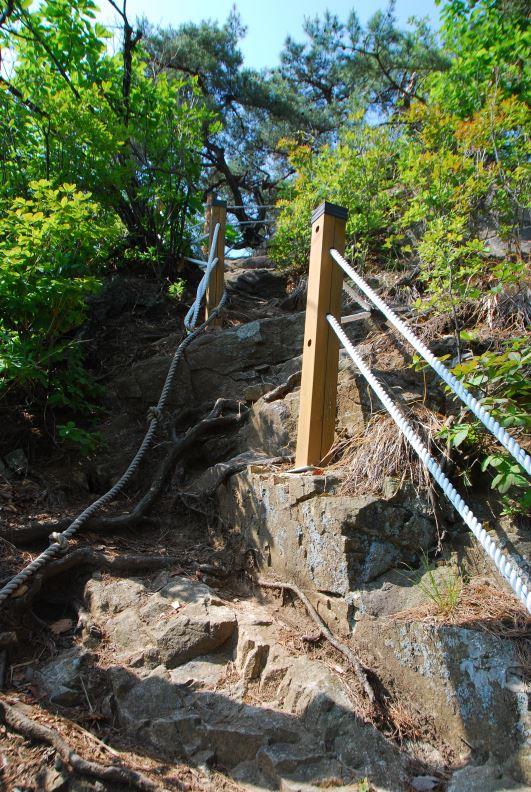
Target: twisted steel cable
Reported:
point(458, 388)
point(515, 577)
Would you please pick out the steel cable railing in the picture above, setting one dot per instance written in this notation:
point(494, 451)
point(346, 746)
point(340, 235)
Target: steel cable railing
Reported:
point(459, 389)
point(514, 576)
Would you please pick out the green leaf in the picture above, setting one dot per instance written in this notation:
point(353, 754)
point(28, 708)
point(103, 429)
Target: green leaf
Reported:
point(460, 436)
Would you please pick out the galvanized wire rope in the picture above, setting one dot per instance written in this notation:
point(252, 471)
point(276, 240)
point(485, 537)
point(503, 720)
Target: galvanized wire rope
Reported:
point(199, 262)
point(59, 541)
point(459, 389)
point(516, 578)
point(353, 295)
point(266, 221)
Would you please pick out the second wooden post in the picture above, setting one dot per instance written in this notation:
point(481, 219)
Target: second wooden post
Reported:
point(216, 213)
point(320, 359)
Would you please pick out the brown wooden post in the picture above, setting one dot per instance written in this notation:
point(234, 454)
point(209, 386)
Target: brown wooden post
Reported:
point(216, 213)
point(320, 358)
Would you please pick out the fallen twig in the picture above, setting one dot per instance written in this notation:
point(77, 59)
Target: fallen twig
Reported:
point(337, 644)
point(22, 724)
point(95, 739)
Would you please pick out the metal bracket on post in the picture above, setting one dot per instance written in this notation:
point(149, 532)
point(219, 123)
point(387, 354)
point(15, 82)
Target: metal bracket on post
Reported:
point(320, 359)
point(216, 213)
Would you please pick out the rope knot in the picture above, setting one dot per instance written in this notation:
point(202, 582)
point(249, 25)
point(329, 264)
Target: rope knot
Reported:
point(154, 414)
point(58, 538)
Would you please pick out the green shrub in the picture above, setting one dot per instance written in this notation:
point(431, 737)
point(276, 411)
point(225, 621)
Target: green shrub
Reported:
point(359, 174)
point(500, 380)
point(74, 436)
point(52, 247)
point(176, 289)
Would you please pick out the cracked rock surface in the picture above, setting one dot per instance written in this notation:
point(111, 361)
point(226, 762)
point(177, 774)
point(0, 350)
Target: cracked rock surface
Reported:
point(197, 676)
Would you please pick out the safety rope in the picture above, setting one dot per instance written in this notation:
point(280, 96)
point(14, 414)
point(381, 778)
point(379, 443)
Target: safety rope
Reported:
point(507, 568)
point(190, 319)
point(257, 206)
point(459, 389)
point(59, 541)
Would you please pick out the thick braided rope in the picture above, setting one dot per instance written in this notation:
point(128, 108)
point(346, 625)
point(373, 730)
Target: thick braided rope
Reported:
point(459, 389)
point(507, 568)
point(59, 541)
point(190, 319)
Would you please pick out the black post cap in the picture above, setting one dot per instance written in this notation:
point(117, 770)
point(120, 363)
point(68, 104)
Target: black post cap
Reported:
point(219, 202)
point(330, 209)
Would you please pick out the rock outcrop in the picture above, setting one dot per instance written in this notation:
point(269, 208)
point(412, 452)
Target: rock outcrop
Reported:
point(190, 702)
point(234, 693)
point(217, 680)
point(469, 683)
point(178, 622)
point(301, 528)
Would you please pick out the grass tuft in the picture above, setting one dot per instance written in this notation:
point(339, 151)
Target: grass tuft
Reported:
point(381, 452)
point(483, 604)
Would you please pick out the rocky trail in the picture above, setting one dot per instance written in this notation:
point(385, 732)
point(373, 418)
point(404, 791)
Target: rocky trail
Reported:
point(163, 646)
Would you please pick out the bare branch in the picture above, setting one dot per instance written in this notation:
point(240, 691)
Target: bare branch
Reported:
point(23, 99)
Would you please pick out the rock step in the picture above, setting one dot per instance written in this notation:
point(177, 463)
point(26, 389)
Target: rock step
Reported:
point(179, 662)
point(202, 680)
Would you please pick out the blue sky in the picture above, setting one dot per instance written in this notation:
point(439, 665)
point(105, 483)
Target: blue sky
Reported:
point(268, 21)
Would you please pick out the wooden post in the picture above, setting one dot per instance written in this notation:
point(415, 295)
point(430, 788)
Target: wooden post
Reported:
point(216, 213)
point(320, 358)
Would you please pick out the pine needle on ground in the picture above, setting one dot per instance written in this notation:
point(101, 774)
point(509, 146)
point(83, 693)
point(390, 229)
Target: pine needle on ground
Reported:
point(381, 452)
point(482, 605)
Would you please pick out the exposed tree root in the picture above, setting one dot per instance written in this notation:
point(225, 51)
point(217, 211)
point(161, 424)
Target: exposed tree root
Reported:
point(22, 724)
point(37, 531)
point(213, 422)
point(86, 557)
point(330, 637)
point(215, 475)
point(286, 387)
